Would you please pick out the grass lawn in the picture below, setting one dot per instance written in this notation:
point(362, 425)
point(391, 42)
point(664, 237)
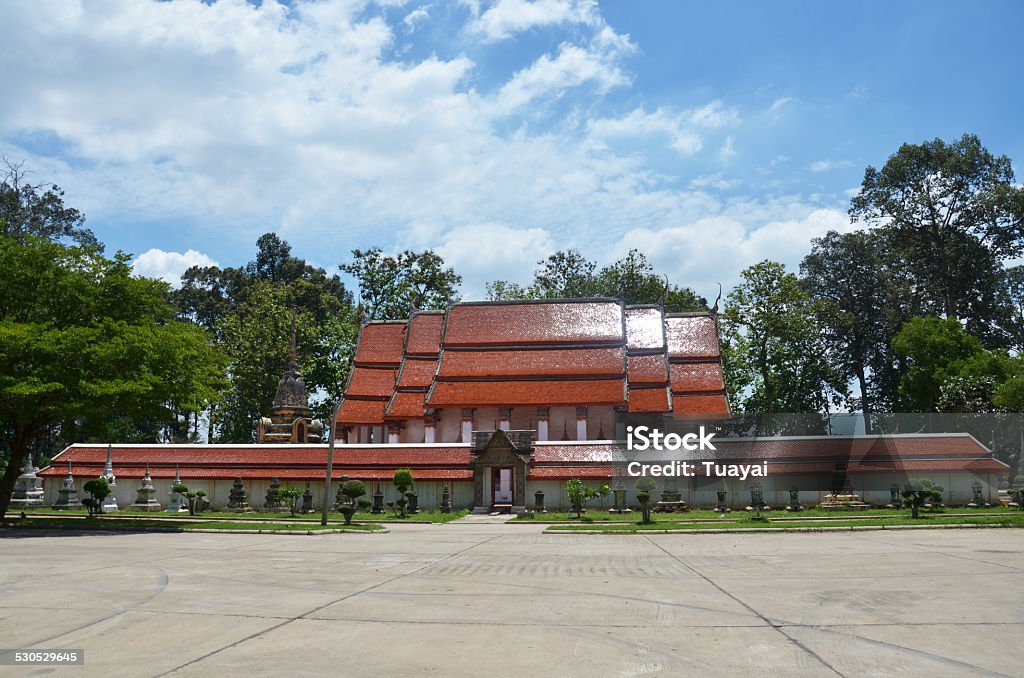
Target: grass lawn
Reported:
point(662, 523)
point(422, 517)
point(602, 515)
point(128, 524)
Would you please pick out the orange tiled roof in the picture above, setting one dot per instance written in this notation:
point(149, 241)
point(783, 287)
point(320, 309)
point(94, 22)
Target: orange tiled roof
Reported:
point(417, 373)
point(691, 337)
point(511, 324)
point(357, 411)
point(424, 337)
point(649, 399)
point(543, 353)
point(700, 405)
point(537, 392)
point(647, 369)
point(696, 377)
point(372, 381)
point(645, 328)
point(526, 362)
point(406, 405)
point(381, 343)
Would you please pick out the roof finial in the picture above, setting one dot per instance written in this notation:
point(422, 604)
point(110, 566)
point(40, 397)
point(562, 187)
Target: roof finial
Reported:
point(714, 309)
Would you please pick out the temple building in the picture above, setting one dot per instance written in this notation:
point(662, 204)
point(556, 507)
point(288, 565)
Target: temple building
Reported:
point(500, 404)
point(561, 368)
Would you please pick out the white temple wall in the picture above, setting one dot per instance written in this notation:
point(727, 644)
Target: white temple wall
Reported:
point(412, 431)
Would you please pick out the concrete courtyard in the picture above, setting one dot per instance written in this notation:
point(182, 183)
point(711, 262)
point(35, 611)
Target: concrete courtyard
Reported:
point(478, 598)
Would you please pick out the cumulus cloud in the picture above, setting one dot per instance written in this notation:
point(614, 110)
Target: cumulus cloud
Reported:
point(168, 266)
point(506, 18)
point(231, 119)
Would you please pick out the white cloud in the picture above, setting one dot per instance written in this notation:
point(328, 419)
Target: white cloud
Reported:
point(776, 108)
point(229, 120)
point(728, 149)
point(168, 266)
point(416, 17)
point(827, 165)
point(506, 18)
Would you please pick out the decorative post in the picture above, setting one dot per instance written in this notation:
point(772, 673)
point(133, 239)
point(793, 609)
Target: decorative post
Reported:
point(721, 506)
point(378, 501)
point(538, 502)
point(307, 500)
point(978, 501)
point(756, 500)
point(28, 491)
point(446, 499)
point(894, 497)
point(174, 503)
point(272, 502)
point(238, 499)
point(110, 501)
point(68, 498)
point(620, 499)
point(145, 500)
point(794, 499)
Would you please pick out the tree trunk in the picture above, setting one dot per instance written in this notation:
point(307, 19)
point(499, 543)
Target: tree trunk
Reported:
point(18, 445)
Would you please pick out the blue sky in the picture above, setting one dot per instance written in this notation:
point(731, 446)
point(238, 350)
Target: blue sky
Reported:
point(710, 135)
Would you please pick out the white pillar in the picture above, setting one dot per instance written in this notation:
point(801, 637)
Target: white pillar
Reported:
point(581, 423)
point(505, 418)
point(393, 433)
point(543, 413)
point(467, 425)
point(429, 431)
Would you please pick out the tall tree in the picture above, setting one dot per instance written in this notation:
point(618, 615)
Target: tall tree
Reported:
point(391, 286)
point(846, 274)
point(773, 346)
point(248, 309)
point(955, 213)
point(37, 210)
point(91, 340)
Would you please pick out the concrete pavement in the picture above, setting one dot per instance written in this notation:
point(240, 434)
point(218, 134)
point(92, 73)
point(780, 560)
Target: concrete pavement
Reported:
point(475, 598)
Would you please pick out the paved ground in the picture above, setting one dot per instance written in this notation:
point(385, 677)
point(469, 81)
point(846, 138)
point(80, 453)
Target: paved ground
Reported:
point(490, 599)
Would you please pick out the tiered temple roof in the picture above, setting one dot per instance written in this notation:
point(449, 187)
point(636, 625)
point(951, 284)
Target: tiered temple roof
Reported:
point(581, 352)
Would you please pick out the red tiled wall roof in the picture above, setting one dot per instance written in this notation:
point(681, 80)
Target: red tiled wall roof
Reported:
point(372, 381)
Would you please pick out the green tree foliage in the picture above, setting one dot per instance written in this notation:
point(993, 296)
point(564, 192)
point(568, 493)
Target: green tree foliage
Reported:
point(249, 312)
point(569, 275)
point(90, 340)
point(917, 493)
point(290, 496)
point(847, 276)
point(773, 346)
point(390, 287)
point(98, 490)
point(580, 493)
point(352, 490)
point(403, 483)
point(955, 214)
point(948, 370)
point(37, 210)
